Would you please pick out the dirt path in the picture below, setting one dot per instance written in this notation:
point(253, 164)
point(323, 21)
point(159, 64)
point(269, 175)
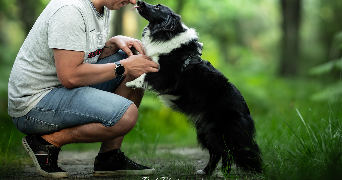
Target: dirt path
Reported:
point(177, 164)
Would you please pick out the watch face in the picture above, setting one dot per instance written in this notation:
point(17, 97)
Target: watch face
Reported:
point(120, 70)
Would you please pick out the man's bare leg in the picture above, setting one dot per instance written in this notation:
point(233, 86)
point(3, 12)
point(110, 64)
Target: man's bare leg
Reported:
point(134, 95)
point(96, 132)
point(111, 137)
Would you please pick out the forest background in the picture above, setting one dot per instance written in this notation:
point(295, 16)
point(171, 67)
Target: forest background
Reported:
point(283, 55)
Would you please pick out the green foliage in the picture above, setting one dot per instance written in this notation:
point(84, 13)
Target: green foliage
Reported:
point(312, 151)
point(332, 91)
point(9, 155)
point(240, 39)
point(327, 67)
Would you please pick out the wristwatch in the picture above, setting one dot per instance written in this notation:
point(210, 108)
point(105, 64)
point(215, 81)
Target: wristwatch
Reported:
point(119, 69)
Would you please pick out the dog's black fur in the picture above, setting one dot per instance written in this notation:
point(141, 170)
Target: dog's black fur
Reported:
point(215, 106)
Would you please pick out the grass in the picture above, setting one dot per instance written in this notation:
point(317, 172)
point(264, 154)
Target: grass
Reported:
point(311, 151)
point(10, 158)
point(300, 138)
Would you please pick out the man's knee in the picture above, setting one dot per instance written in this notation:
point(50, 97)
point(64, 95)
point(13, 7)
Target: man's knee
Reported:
point(129, 119)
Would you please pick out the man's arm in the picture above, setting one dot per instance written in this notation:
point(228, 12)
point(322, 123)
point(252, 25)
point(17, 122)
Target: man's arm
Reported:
point(72, 72)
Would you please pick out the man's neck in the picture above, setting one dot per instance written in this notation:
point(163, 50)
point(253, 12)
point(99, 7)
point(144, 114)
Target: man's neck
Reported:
point(99, 8)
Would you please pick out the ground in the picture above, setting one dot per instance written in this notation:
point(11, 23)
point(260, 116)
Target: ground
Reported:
point(170, 164)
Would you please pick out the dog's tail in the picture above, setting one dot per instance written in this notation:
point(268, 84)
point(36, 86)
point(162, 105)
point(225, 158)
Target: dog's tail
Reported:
point(248, 158)
point(244, 151)
point(233, 138)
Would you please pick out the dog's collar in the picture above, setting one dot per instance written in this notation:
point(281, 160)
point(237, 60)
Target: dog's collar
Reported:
point(192, 59)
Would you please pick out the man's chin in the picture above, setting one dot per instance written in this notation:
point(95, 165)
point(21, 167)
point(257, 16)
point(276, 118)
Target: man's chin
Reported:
point(117, 6)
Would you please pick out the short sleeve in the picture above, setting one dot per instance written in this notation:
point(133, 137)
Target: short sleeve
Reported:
point(66, 29)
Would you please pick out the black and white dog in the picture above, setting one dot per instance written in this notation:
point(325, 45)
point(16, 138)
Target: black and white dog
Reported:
point(195, 88)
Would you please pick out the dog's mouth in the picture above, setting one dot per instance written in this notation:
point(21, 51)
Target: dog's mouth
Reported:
point(135, 7)
point(141, 8)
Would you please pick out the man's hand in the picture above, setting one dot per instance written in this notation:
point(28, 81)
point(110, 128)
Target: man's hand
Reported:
point(136, 65)
point(124, 43)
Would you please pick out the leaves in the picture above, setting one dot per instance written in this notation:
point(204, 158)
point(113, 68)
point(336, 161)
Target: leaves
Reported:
point(327, 67)
point(330, 93)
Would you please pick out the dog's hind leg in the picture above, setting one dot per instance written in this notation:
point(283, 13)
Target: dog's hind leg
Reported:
point(227, 161)
point(209, 169)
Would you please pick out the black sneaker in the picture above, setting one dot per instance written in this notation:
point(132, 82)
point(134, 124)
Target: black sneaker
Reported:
point(44, 157)
point(120, 165)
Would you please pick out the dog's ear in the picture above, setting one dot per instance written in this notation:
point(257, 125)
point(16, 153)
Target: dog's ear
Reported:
point(172, 24)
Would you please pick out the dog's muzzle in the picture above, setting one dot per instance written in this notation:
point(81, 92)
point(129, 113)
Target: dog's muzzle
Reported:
point(140, 6)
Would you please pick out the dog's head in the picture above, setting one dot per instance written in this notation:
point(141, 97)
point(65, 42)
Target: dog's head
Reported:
point(163, 22)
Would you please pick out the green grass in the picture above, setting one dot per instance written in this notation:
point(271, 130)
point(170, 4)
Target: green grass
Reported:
point(300, 138)
point(311, 150)
point(10, 156)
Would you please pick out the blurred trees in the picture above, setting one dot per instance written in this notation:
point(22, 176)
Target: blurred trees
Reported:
point(291, 17)
point(331, 41)
point(286, 37)
point(27, 13)
point(331, 29)
point(117, 22)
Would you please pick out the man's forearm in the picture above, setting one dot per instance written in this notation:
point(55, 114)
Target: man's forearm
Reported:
point(89, 74)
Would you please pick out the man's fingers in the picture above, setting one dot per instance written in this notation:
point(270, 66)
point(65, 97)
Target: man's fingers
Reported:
point(127, 50)
point(154, 65)
point(154, 69)
point(139, 47)
point(150, 62)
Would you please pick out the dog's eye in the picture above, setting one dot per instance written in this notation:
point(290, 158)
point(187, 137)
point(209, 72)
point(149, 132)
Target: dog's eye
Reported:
point(157, 6)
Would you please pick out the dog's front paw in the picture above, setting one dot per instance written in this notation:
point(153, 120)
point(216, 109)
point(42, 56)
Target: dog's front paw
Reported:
point(132, 84)
point(137, 83)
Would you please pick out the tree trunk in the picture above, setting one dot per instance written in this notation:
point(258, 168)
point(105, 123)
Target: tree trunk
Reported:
point(27, 13)
point(118, 22)
point(291, 13)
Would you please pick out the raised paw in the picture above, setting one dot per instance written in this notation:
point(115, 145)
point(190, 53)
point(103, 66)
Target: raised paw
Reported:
point(137, 83)
point(131, 85)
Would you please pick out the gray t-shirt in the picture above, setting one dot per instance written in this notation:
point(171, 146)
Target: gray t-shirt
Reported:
point(64, 24)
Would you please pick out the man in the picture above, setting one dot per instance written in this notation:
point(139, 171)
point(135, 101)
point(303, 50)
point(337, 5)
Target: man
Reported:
point(67, 85)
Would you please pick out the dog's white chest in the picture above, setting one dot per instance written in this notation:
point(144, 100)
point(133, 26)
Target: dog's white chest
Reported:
point(155, 49)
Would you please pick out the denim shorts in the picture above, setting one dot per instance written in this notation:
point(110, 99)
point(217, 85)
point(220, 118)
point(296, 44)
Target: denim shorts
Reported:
point(63, 108)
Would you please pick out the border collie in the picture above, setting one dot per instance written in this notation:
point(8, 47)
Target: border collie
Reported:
point(192, 86)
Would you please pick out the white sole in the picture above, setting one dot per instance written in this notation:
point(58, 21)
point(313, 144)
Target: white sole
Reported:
point(37, 166)
point(124, 172)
